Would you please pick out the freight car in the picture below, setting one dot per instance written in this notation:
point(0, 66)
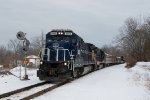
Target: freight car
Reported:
point(111, 60)
point(66, 55)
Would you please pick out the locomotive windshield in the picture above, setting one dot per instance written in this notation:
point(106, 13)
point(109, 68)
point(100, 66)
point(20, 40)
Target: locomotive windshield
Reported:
point(61, 33)
point(59, 36)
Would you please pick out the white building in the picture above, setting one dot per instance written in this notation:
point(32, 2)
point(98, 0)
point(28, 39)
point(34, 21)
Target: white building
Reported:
point(33, 60)
point(1, 66)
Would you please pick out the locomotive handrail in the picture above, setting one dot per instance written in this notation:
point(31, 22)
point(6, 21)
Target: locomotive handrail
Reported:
point(45, 51)
point(64, 50)
point(57, 55)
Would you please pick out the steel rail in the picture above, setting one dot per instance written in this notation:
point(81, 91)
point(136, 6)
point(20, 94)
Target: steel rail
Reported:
point(4, 95)
point(39, 93)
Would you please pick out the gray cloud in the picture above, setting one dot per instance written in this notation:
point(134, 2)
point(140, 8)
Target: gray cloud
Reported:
point(96, 21)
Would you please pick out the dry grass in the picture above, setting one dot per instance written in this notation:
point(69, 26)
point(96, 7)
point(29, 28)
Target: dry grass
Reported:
point(130, 63)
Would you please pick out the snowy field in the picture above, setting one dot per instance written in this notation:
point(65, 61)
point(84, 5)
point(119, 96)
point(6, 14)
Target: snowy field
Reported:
point(13, 82)
point(112, 83)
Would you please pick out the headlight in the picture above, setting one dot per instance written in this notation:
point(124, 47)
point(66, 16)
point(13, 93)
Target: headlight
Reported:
point(41, 62)
point(65, 64)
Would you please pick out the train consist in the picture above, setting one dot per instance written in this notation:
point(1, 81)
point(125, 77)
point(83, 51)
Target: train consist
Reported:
point(66, 55)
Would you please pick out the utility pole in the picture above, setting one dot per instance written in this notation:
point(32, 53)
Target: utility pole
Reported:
point(21, 36)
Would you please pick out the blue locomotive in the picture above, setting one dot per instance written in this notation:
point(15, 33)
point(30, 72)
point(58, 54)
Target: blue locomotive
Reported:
point(66, 55)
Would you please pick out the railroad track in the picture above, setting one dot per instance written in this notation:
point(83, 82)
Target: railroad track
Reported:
point(31, 92)
point(39, 93)
point(17, 93)
point(20, 90)
point(34, 91)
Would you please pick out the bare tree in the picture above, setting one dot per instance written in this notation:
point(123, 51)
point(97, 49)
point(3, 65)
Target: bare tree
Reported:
point(13, 52)
point(6, 56)
point(3, 52)
point(113, 50)
point(134, 39)
point(15, 47)
point(37, 44)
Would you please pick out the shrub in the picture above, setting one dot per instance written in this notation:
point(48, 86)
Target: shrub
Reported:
point(130, 62)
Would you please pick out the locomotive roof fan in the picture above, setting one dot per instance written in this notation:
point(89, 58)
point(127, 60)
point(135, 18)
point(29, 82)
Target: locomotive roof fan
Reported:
point(21, 36)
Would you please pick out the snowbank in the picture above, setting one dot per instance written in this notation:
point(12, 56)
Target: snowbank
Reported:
point(143, 63)
point(16, 71)
point(13, 82)
point(112, 83)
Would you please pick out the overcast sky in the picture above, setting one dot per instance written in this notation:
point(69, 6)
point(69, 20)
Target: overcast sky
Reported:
point(96, 21)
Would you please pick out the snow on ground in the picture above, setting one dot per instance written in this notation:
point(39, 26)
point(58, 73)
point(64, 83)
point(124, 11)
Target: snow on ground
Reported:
point(12, 82)
point(112, 83)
